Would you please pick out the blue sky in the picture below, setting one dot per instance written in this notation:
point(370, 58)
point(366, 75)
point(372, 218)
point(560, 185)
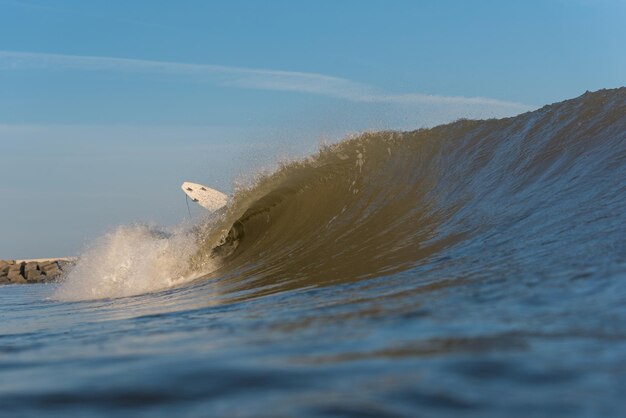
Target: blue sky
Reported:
point(106, 106)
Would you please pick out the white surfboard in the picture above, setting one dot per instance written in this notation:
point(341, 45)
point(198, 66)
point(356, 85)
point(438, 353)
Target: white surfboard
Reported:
point(206, 197)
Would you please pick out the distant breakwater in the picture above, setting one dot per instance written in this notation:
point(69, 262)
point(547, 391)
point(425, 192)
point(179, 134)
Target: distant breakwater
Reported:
point(34, 271)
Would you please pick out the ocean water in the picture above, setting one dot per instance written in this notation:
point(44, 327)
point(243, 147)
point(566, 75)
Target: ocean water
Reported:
point(472, 269)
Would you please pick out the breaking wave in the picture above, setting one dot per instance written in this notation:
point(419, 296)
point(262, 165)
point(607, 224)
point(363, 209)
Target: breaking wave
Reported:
point(132, 260)
point(470, 198)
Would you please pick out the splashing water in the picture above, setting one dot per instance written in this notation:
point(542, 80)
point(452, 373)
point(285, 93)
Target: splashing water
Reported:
point(132, 260)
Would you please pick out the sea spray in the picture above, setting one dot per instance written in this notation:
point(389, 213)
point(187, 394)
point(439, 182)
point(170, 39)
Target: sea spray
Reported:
point(132, 260)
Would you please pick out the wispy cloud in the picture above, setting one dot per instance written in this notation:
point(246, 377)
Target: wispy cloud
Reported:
point(241, 77)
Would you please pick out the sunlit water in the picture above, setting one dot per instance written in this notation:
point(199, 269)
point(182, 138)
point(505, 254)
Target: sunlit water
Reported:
point(477, 269)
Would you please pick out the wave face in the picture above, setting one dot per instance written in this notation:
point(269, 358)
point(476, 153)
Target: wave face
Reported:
point(522, 193)
point(472, 269)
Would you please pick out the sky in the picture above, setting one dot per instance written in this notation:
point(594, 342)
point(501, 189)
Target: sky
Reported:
point(107, 106)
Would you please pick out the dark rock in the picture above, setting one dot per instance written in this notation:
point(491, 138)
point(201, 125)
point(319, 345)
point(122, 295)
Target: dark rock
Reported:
point(52, 265)
point(12, 272)
point(15, 276)
point(53, 272)
point(46, 279)
point(43, 264)
point(33, 276)
point(16, 268)
point(32, 266)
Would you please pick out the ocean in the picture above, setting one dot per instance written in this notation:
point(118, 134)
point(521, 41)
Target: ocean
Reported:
point(476, 268)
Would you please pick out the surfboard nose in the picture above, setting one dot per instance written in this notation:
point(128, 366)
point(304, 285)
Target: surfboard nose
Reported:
point(206, 197)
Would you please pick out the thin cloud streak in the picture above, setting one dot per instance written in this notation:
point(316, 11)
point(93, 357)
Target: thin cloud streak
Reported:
point(241, 77)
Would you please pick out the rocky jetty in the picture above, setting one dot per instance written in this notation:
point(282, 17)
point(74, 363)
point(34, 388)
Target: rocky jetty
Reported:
point(34, 271)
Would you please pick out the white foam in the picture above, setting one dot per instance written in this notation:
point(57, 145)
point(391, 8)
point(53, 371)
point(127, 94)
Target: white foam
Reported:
point(129, 261)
